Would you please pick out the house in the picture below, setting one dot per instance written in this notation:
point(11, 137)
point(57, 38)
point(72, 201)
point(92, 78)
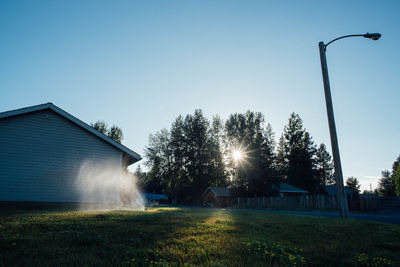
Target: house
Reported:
point(331, 190)
point(285, 190)
point(48, 155)
point(216, 196)
point(151, 198)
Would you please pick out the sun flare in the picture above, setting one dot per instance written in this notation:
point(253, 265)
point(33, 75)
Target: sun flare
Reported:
point(237, 155)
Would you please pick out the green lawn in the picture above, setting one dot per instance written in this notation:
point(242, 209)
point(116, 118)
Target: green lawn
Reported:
point(54, 235)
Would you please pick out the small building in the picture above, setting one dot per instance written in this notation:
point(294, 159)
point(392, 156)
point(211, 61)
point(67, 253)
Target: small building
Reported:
point(217, 196)
point(152, 198)
point(331, 190)
point(285, 190)
point(48, 155)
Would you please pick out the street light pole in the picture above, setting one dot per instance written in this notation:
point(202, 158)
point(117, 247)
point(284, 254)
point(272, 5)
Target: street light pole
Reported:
point(341, 196)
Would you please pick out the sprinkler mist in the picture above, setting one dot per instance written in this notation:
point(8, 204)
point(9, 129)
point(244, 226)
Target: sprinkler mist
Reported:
point(105, 187)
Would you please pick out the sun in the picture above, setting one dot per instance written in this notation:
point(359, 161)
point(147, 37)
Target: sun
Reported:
point(237, 155)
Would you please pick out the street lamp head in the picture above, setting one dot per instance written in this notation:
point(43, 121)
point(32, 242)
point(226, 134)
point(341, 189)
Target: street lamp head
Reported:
point(372, 36)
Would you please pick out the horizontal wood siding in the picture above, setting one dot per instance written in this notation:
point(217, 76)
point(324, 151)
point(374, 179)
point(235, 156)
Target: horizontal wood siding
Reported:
point(41, 154)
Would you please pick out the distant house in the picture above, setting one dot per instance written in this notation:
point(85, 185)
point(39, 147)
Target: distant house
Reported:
point(285, 190)
point(48, 155)
point(331, 190)
point(150, 198)
point(216, 196)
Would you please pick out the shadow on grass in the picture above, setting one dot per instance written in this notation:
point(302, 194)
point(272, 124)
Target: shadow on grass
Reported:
point(178, 236)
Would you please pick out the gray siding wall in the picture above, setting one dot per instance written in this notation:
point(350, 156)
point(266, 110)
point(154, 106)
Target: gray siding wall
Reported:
point(45, 157)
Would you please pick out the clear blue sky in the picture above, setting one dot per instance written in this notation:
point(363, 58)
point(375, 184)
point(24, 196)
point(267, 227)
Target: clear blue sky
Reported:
point(139, 64)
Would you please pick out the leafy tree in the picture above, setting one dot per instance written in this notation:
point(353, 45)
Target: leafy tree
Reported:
point(353, 184)
point(100, 126)
point(386, 184)
point(254, 174)
point(296, 156)
point(196, 129)
point(197, 153)
point(159, 159)
point(324, 166)
point(188, 159)
point(217, 168)
point(234, 133)
point(179, 180)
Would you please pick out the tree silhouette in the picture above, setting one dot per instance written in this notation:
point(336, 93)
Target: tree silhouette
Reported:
point(324, 166)
point(386, 184)
point(353, 184)
point(114, 132)
point(296, 153)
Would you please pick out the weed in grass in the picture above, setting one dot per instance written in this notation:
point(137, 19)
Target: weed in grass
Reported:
point(147, 262)
point(364, 260)
point(276, 254)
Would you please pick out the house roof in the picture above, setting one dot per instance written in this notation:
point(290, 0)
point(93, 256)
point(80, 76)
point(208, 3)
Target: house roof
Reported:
point(130, 155)
point(287, 188)
point(152, 196)
point(332, 190)
point(219, 191)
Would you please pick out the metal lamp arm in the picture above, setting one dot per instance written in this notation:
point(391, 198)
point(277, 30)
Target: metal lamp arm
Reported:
point(351, 35)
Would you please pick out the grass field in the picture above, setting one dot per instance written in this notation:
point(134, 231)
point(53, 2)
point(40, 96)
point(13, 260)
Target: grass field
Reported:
point(56, 236)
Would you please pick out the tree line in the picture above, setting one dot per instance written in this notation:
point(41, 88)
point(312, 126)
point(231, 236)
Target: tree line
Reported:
point(197, 152)
point(389, 184)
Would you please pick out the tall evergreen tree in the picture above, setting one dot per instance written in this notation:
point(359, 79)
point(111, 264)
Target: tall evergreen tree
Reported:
point(113, 132)
point(396, 175)
point(100, 126)
point(324, 166)
point(396, 179)
point(268, 160)
point(296, 156)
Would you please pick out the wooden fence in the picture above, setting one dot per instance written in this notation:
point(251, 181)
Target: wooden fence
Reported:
point(367, 202)
point(389, 203)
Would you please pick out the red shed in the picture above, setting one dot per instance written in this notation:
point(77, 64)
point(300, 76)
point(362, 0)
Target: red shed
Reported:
point(217, 196)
